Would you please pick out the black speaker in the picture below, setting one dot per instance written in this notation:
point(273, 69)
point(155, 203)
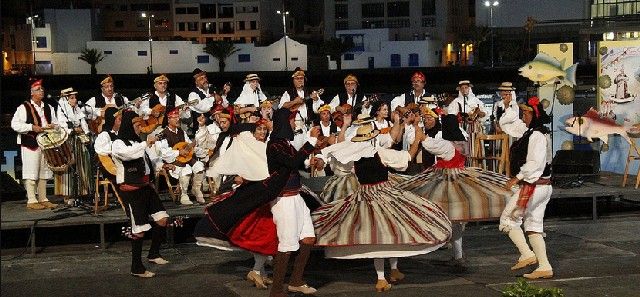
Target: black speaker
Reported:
point(10, 190)
point(576, 162)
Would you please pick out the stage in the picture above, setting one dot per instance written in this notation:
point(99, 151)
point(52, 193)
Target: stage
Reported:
point(14, 214)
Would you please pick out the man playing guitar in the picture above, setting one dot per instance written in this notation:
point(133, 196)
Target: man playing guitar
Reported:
point(97, 104)
point(161, 97)
point(305, 110)
point(177, 149)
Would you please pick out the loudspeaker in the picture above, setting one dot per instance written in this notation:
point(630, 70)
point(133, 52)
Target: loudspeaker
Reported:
point(10, 190)
point(576, 162)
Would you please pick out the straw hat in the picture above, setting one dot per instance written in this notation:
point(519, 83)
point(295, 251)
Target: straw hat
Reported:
point(298, 72)
point(363, 119)
point(464, 82)
point(162, 77)
point(350, 77)
point(106, 80)
point(365, 133)
point(325, 107)
point(251, 77)
point(67, 92)
point(506, 86)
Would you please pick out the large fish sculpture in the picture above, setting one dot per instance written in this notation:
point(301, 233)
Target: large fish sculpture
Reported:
point(545, 69)
point(591, 125)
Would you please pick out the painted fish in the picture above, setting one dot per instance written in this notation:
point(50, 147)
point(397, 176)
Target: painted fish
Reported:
point(545, 69)
point(591, 125)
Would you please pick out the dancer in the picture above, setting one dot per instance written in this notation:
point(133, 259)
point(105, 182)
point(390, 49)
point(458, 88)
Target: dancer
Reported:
point(529, 156)
point(379, 220)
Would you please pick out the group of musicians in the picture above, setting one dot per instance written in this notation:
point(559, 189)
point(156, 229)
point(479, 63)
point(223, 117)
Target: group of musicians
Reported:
point(160, 131)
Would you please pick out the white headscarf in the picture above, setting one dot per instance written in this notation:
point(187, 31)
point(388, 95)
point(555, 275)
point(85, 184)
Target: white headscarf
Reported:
point(249, 96)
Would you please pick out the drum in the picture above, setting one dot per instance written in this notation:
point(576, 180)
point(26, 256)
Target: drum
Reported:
point(56, 149)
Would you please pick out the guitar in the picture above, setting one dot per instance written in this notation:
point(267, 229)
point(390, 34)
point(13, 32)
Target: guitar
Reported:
point(305, 100)
point(152, 122)
point(107, 164)
point(185, 145)
point(95, 125)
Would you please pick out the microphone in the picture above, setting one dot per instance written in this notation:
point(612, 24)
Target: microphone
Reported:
point(258, 90)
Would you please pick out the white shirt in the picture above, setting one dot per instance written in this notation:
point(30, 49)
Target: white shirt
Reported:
point(122, 152)
point(326, 130)
point(335, 102)
point(75, 115)
point(202, 105)
point(166, 152)
point(145, 109)
point(399, 100)
point(94, 111)
point(538, 153)
point(302, 109)
point(206, 136)
point(19, 120)
point(471, 103)
point(103, 143)
point(439, 147)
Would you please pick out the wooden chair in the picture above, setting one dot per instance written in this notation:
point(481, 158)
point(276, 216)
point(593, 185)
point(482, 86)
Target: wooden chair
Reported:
point(174, 190)
point(501, 142)
point(633, 155)
point(106, 184)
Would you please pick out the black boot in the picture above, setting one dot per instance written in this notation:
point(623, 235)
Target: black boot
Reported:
point(158, 237)
point(279, 272)
point(136, 257)
point(299, 264)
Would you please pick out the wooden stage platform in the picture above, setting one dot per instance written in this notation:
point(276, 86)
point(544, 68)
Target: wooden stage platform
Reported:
point(15, 215)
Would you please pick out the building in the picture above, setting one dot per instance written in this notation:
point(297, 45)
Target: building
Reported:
point(374, 48)
point(123, 19)
point(440, 21)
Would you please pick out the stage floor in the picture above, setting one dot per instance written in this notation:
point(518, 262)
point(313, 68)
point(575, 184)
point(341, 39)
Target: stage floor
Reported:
point(15, 215)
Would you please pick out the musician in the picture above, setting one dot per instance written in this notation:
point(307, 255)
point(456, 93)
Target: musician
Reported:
point(30, 119)
point(530, 162)
point(418, 81)
point(307, 110)
point(507, 100)
point(250, 98)
point(184, 172)
point(70, 115)
point(161, 96)
point(432, 128)
point(359, 102)
point(217, 142)
point(200, 100)
point(104, 141)
point(466, 102)
point(107, 97)
point(133, 159)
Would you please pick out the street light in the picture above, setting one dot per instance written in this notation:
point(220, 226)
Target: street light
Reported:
point(284, 27)
point(491, 5)
point(149, 17)
point(32, 20)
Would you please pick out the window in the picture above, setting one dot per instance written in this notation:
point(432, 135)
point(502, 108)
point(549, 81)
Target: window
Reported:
point(41, 41)
point(181, 26)
point(241, 25)
point(181, 10)
point(342, 11)
point(226, 28)
point(203, 59)
point(254, 39)
point(225, 11)
point(142, 53)
point(348, 57)
point(173, 52)
point(398, 9)
point(404, 23)
point(428, 7)
point(108, 52)
point(254, 9)
point(242, 58)
point(192, 26)
point(159, 7)
point(428, 22)
point(207, 11)
point(141, 23)
point(373, 10)
point(119, 24)
point(208, 28)
point(253, 25)
point(208, 40)
point(395, 60)
point(192, 10)
point(294, 58)
point(342, 25)
point(242, 40)
point(139, 7)
point(413, 60)
point(276, 59)
point(372, 24)
point(227, 39)
point(472, 8)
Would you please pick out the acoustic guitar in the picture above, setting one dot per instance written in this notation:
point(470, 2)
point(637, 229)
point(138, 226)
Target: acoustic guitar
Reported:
point(107, 164)
point(185, 145)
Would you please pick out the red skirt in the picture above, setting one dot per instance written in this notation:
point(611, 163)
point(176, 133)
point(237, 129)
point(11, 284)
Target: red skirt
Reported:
point(256, 232)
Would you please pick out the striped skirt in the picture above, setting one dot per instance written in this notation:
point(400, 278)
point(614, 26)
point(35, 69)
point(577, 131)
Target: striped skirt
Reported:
point(380, 220)
point(338, 187)
point(468, 194)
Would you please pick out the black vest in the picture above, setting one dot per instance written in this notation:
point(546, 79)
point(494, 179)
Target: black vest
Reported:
point(113, 136)
point(357, 106)
point(29, 139)
point(171, 104)
point(371, 170)
point(101, 102)
point(519, 150)
point(312, 117)
point(134, 170)
point(333, 129)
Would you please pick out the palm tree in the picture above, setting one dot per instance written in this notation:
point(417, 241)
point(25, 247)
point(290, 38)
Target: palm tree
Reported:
point(221, 50)
point(92, 57)
point(335, 47)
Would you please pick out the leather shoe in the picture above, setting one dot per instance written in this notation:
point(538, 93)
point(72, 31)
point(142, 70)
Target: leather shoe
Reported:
point(159, 261)
point(396, 276)
point(304, 289)
point(146, 274)
point(35, 206)
point(536, 274)
point(267, 280)
point(48, 204)
point(382, 285)
point(524, 263)
point(256, 279)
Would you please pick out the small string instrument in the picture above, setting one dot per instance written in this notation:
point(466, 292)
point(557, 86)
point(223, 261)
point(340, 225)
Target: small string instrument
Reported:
point(107, 164)
point(305, 100)
point(185, 145)
point(153, 122)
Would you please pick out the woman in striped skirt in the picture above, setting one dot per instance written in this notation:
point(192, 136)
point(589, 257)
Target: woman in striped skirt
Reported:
point(464, 193)
point(378, 220)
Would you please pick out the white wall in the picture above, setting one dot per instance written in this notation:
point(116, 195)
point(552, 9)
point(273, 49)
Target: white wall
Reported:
point(124, 58)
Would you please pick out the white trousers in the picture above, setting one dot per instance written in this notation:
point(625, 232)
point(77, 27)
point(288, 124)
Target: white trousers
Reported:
point(187, 170)
point(293, 222)
point(34, 166)
point(533, 215)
